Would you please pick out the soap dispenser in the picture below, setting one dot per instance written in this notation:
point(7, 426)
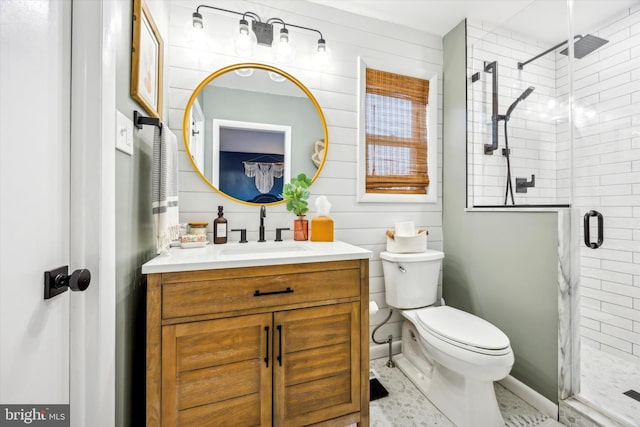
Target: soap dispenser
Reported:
point(322, 225)
point(220, 228)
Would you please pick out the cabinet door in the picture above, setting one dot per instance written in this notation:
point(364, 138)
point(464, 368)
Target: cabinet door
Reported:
point(316, 364)
point(217, 373)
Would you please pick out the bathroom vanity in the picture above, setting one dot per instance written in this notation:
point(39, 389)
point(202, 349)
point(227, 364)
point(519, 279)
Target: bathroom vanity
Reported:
point(258, 334)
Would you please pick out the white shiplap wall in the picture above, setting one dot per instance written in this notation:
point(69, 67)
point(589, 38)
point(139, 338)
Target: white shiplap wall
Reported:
point(348, 36)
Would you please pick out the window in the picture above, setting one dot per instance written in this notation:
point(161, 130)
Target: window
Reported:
point(395, 148)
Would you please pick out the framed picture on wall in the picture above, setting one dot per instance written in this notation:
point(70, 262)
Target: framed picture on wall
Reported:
point(147, 51)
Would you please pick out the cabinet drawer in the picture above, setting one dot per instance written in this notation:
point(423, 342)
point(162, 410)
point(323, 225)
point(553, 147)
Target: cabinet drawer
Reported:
point(243, 293)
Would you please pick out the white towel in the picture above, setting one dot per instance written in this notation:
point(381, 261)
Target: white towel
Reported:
point(164, 188)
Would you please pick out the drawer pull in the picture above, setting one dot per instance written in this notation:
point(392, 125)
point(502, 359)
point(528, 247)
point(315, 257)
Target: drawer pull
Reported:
point(279, 327)
point(266, 356)
point(257, 293)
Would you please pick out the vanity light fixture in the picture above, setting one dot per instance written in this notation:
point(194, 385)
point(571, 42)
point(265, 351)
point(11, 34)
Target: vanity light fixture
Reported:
point(247, 38)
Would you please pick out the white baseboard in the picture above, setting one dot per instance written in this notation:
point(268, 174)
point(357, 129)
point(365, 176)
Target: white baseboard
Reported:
point(530, 396)
point(378, 351)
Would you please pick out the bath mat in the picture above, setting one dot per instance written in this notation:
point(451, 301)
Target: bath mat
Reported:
point(537, 420)
point(376, 390)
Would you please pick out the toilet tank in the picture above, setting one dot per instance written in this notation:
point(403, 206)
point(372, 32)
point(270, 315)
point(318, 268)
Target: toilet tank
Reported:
point(411, 280)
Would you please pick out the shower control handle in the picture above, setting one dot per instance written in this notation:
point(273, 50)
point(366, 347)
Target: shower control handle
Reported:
point(587, 229)
point(522, 184)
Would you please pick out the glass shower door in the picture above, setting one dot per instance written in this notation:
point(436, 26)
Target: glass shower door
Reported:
point(605, 127)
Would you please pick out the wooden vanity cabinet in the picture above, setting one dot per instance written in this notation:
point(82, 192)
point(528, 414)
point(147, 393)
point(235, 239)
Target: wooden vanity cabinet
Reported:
point(282, 345)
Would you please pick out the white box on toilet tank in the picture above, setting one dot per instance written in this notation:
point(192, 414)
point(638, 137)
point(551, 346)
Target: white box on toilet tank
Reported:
point(411, 280)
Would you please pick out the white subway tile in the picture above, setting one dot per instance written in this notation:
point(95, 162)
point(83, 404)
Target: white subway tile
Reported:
point(608, 297)
point(585, 322)
point(589, 262)
point(590, 282)
point(624, 312)
point(590, 303)
point(607, 339)
point(620, 90)
point(623, 334)
point(602, 253)
point(607, 318)
point(620, 200)
point(618, 234)
point(596, 273)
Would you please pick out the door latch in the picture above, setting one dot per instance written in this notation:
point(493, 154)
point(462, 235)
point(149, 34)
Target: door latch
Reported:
point(57, 281)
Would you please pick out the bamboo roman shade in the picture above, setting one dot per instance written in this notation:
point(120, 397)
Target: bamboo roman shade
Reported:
point(396, 133)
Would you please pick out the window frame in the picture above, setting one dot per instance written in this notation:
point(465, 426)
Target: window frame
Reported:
point(432, 137)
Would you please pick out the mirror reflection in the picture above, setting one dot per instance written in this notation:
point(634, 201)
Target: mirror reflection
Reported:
point(249, 128)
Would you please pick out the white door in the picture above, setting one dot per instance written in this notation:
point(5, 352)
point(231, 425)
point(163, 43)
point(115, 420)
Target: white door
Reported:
point(35, 63)
point(196, 140)
point(55, 211)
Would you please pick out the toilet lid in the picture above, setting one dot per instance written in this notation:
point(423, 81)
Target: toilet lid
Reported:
point(462, 328)
point(428, 255)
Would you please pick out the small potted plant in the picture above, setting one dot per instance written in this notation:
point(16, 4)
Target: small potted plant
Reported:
point(296, 193)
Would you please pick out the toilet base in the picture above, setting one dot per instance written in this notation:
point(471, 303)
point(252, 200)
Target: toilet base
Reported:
point(466, 402)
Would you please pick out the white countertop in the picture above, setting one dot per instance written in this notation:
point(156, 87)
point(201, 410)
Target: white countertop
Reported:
point(232, 255)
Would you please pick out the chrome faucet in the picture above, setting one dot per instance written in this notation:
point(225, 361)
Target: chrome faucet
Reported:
point(263, 215)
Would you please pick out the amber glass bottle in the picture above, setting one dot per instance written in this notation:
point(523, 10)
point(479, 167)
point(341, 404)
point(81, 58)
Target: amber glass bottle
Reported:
point(220, 228)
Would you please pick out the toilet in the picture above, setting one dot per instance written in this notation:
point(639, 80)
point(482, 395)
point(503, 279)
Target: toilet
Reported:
point(452, 356)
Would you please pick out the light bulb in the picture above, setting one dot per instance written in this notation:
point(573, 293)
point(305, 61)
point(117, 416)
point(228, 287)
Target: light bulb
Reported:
point(245, 40)
point(196, 20)
point(194, 32)
point(283, 48)
point(244, 72)
point(322, 57)
point(276, 77)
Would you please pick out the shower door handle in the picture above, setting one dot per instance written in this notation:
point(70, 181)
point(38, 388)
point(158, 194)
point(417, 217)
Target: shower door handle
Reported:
point(587, 229)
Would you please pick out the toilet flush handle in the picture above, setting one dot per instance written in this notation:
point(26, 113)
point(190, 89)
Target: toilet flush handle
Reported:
point(402, 269)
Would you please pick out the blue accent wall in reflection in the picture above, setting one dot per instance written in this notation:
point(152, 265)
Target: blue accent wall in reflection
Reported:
point(235, 183)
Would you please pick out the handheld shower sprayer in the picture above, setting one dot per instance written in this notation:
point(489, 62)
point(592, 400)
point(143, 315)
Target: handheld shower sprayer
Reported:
point(506, 152)
point(522, 97)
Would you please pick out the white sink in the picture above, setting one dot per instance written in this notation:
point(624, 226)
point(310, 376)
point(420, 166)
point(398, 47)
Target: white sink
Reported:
point(247, 249)
point(252, 254)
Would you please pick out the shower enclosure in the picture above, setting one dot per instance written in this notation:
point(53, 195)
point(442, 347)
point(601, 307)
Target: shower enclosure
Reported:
point(572, 144)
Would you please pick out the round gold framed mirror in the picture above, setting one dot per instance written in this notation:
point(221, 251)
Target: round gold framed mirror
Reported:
point(248, 128)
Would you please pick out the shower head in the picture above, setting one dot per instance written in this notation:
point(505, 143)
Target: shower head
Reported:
point(585, 45)
point(582, 46)
point(522, 97)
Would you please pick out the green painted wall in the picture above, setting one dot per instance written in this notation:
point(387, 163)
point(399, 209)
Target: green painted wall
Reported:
point(135, 243)
point(502, 265)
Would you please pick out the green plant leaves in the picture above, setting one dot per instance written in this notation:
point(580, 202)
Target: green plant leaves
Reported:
point(296, 193)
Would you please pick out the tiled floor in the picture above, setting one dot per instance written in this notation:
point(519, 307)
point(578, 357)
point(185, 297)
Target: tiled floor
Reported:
point(604, 378)
point(407, 407)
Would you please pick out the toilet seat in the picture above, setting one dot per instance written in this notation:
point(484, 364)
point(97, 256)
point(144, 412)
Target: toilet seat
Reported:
point(463, 330)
